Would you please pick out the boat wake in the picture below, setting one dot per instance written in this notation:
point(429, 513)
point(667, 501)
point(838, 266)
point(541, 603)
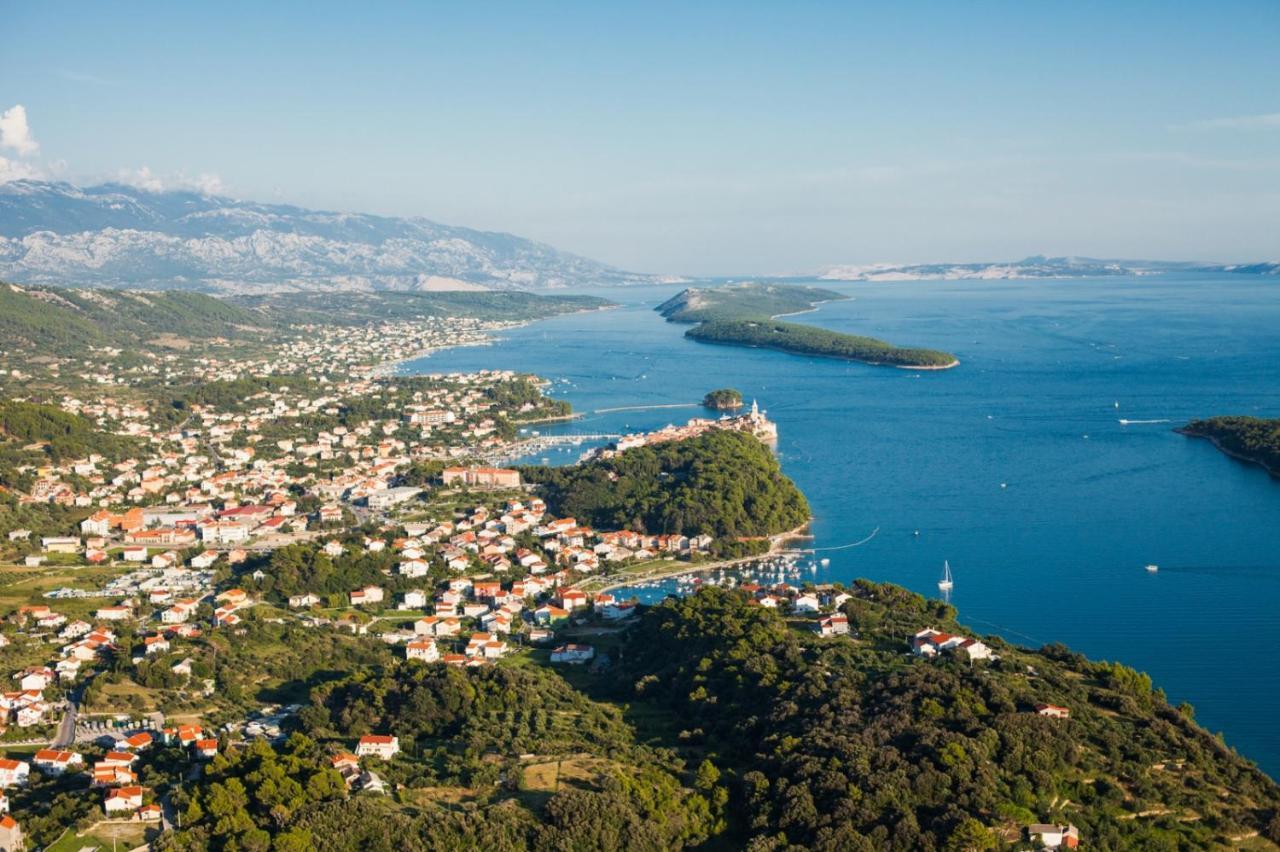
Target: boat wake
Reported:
point(1124, 422)
point(847, 546)
point(645, 407)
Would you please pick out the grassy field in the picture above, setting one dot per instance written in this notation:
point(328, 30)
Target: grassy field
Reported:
point(20, 586)
point(543, 778)
point(124, 697)
point(106, 835)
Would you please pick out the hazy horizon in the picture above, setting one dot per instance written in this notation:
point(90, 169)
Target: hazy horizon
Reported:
point(708, 141)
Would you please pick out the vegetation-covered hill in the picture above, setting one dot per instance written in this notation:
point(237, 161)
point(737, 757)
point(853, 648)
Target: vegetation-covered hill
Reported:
point(811, 340)
point(723, 398)
point(745, 315)
point(49, 320)
point(362, 307)
point(833, 743)
point(1252, 439)
point(61, 321)
point(723, 484)
point(721, 724)
point(538, 764)
point(734, 301)
point(61, 435)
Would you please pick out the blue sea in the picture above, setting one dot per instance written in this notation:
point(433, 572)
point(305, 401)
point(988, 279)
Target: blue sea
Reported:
point(1014, 466)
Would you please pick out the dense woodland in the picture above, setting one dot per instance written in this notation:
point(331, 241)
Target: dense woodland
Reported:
point(1253, 439)
point(723, 484)
point(840, 744)
point(61, 435)
point(811, 340)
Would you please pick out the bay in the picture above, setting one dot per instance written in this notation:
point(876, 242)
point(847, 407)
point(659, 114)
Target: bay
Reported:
point(1014, 466)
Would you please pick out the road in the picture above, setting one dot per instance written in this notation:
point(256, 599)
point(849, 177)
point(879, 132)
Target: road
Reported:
point(67, 727)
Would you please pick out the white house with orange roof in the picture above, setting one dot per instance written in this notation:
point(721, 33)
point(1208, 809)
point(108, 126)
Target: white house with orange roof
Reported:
point(378, 745)
point(422, 649)
point(930, 643)
point(14, 773)
point(123, 799)
point(367, 596)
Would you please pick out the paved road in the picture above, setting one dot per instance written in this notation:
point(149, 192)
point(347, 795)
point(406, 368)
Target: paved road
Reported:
point(67, 727)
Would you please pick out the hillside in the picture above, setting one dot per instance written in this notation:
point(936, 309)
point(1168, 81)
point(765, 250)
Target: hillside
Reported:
point(839, 743)
point(723, 484)
point(46, 320)
point(360, 308)
point(722, 724)
point(56, 321)
point(735, 301)
point(120, 236)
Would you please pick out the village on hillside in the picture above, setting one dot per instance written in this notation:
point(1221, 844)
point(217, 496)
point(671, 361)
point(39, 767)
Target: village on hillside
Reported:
point(160, 584)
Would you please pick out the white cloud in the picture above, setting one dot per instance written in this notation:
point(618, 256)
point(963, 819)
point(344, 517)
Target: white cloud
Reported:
point(18, 170)
point(15, 134)
point(144, 178)
point(1266, 120)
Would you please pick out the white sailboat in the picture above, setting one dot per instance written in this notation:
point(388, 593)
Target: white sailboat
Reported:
point(946, 582)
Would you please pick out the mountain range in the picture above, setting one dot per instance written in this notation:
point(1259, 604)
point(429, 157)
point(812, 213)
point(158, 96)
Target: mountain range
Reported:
point(1036, 266)
point(114, 235)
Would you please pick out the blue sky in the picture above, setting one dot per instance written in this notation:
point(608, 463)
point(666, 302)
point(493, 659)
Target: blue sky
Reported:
point(686, 137)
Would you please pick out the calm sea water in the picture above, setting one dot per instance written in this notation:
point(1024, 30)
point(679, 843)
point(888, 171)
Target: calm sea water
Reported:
point(1048, 369)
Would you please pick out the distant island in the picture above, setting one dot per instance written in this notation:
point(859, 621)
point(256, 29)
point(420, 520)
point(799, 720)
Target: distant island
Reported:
point(1250, 439)
point(1036, 266)
point(747, 315)
point(724, 399)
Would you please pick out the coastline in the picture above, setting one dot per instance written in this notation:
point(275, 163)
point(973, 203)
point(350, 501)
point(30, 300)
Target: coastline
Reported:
point(955, 362)
point(813, 307)
point(1240, 457)
point(387, 369)
point(776, 542)
point(557, 418)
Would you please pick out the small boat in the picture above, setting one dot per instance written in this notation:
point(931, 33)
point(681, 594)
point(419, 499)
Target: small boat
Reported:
point(826, 562)
point(946, 583)
point(1151, 569)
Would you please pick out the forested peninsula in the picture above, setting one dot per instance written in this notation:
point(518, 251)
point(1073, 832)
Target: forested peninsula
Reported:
point(1250, 439)
point(727, 485)
point(746, 315)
